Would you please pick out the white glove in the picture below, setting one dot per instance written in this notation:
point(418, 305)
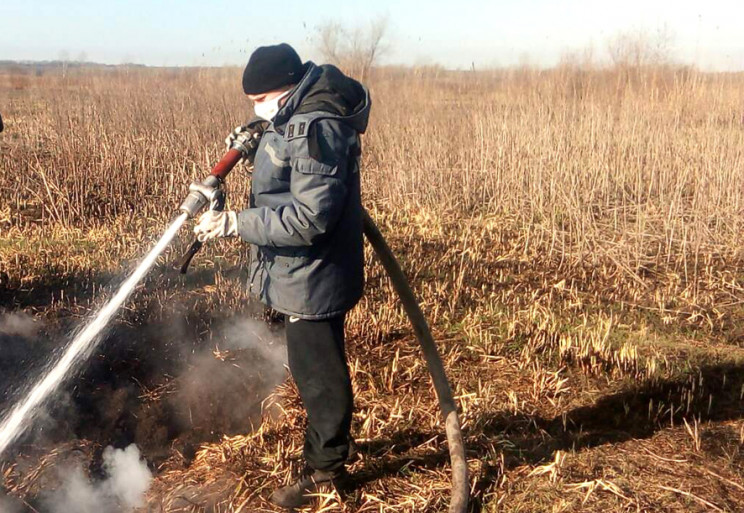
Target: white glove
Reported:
point(213, 224)
point(233, 135)
point(245, 139)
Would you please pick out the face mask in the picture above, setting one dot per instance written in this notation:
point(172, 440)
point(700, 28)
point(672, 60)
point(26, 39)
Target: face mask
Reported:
point(268, 109)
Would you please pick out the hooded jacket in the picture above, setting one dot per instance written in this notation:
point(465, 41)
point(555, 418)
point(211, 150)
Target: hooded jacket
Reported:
point(305, 215)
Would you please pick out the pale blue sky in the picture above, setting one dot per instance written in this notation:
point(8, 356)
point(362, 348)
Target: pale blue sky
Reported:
point(453, 33)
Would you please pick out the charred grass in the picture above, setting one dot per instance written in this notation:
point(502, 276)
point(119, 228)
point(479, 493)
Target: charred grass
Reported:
point(574, 236)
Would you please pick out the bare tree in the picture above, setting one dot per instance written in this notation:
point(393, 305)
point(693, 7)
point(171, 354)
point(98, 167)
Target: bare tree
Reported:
point(355, 50)
point(373, 44)
point(638, 48)
point(329, 41)
point(64, 58)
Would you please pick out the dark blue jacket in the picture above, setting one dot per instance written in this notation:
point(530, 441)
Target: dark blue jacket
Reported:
point(305, 215)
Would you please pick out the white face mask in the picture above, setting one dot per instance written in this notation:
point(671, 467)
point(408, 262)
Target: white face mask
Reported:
point(268, 109)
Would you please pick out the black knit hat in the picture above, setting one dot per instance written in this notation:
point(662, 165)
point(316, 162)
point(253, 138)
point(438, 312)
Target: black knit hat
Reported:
point(272, 67)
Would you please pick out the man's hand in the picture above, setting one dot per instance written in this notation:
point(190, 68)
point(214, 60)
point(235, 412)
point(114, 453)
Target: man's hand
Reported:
point(234, 135)
point(246, 138)
point(213, 224)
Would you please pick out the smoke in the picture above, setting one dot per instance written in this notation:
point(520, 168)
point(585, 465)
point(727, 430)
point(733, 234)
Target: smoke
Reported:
point(77, 494)
point(129, 477)
point(17, 324)
point(9, 505)
point(224, 386)
point(123, 489)
point(257, 336)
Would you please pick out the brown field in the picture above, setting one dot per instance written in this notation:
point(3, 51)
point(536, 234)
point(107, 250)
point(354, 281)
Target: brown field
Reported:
point(575, 237)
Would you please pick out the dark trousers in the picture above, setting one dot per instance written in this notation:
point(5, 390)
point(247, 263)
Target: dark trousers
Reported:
point(317, 361)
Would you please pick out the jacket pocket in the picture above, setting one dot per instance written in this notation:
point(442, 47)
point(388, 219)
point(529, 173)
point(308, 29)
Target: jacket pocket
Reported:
point(309, 166)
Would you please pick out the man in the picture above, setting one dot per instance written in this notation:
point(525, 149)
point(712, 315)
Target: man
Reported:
point(304, 225)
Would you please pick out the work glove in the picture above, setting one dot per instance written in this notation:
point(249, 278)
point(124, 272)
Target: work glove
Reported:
point(245, 139)
point(230, 139)
point(213, 224)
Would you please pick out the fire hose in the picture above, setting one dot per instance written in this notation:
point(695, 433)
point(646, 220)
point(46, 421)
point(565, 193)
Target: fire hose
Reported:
point(210, 192)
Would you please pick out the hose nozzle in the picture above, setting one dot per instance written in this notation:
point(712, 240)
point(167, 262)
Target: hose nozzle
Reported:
point(200, 194)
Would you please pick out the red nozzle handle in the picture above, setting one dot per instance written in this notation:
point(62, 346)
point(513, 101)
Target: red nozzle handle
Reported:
point(226, 163)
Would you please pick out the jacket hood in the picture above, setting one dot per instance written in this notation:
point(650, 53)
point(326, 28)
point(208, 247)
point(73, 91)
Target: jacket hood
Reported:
point(326, 89)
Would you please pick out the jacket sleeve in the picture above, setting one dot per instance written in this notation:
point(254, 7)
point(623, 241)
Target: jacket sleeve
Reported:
point(318, 189)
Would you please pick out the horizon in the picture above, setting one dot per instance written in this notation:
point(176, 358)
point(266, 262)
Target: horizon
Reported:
point(500, 34)
point(58, 64)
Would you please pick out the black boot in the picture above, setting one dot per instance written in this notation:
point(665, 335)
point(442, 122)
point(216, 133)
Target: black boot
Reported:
point(300, 492)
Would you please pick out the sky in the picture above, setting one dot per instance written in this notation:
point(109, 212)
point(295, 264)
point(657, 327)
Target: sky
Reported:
point(456, 34)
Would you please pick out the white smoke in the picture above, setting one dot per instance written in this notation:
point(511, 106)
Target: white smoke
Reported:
point(129, 477)
point(256, 335)
point(8, 505)
point(17, 324)
point(127, 481)
point(224, 386)
point(78, 494)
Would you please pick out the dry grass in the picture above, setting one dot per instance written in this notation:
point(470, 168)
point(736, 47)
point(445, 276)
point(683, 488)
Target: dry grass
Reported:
point(574, 235)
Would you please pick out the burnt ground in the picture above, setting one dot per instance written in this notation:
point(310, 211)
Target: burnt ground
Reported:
point(170, 374)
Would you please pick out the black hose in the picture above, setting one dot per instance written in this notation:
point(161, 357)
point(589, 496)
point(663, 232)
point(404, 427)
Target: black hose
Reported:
point(459, 502)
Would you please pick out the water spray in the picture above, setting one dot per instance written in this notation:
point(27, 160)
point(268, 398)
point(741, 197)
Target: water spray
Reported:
point(85, 341)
